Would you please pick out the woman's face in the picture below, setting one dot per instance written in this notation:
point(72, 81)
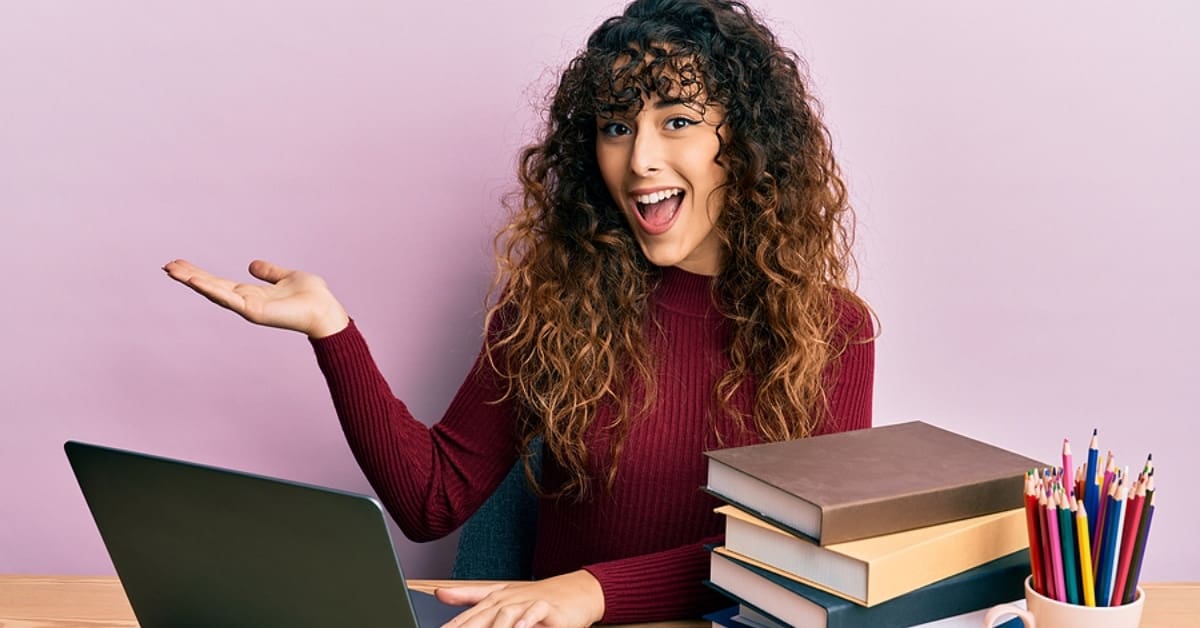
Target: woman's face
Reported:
point(660, 168)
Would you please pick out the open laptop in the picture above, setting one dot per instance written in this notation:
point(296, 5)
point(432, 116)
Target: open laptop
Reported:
point(196, 545)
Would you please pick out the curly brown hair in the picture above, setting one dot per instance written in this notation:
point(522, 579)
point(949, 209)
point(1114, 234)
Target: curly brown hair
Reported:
point(567, 330)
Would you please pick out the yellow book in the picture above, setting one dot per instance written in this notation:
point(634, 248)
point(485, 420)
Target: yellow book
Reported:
point(877, 569)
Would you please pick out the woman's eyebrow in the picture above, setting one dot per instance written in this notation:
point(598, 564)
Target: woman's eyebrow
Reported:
point(671, 102)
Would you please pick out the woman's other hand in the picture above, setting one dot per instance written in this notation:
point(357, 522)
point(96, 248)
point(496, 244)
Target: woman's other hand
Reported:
point(291, 299)
point(572, 600)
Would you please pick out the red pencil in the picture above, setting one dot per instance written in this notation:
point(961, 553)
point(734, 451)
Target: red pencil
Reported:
point(1035, 535)
point(1047, 560)
point(1133, 516)
point(1139, 548)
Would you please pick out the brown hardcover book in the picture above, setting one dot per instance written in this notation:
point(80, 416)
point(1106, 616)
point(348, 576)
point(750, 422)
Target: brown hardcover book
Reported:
point(855, 485)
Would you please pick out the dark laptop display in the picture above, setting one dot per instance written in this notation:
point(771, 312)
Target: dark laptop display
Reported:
point(196, 545)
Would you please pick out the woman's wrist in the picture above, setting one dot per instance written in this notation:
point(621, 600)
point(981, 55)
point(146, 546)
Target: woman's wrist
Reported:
point(592, 591)
point(330, 323)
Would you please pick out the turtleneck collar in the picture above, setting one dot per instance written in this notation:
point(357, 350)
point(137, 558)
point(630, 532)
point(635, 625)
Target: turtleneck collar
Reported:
point(686, 292)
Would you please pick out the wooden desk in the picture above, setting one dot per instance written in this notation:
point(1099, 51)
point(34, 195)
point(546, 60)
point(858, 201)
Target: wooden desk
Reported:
point(99, 602)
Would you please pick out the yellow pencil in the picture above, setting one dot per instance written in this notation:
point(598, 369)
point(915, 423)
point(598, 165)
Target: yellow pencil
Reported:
point(1085, 554)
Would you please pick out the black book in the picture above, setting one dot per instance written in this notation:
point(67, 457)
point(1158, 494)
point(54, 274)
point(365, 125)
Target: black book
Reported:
point(795, 604)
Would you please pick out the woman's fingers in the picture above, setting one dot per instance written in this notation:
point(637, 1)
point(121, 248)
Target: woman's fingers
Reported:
point(180, 270)
point(501, 606)
point(465, 595)
point(572, 600)
point(268, 272)
point(216, 291)
point(515, 614)
point(471, 595)
point(538, 613)
point(504, 616)
point(184, 271)
point(534, 614)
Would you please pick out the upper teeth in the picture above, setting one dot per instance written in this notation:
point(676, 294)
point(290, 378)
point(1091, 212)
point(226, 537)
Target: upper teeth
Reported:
point(654, 197)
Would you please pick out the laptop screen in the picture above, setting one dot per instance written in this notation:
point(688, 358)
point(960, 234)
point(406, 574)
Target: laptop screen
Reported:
point(196, 545)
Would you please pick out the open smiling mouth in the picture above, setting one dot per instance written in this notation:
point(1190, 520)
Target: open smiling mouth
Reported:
point(657, 211)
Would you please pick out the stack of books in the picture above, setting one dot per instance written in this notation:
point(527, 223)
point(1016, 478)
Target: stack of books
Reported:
point(890, 526)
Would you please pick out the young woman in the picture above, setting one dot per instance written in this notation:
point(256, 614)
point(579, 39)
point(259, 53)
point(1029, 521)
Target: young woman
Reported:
point(673, 279)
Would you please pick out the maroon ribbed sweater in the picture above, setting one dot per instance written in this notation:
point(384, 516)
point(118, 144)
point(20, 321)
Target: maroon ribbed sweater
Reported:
point(644, 540)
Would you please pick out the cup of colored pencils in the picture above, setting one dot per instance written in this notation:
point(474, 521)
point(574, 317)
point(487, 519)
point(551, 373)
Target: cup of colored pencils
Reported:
point(1088, 527)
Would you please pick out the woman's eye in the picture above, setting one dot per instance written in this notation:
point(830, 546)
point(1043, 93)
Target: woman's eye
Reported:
point(677, 123)
point(614, 129)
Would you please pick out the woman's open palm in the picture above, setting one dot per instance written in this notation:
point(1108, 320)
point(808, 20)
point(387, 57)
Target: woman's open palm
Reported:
point(290, 299)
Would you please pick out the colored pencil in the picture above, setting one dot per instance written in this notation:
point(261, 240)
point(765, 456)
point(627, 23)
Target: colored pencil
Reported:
point(1133, 516)
point(1085, 554)
point(1068, 468)
point(1047, 561)
point(1102, 530)
point(1112, 543)
point(1139, 546)
point(1105, 488)
point(1060, 585)
point(1035, 538)
point(1139, 551)
point(1089, 481)
point(1070, 563)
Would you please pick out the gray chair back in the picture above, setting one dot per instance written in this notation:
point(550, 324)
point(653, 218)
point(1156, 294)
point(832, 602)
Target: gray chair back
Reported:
point(496, 543)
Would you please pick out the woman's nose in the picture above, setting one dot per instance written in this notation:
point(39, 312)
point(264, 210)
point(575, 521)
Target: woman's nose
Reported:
point(646, 157)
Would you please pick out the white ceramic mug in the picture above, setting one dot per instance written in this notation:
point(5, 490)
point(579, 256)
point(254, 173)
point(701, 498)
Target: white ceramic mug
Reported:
point(1044, 612)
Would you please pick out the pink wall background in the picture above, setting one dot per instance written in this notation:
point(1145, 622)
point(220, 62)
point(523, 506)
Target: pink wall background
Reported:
point(1023, 176)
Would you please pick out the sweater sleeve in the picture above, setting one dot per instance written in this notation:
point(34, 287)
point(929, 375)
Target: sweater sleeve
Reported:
point(660, 586)
point(429, 479)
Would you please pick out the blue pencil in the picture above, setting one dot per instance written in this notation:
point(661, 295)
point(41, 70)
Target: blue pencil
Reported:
point(1100, 549)
point(1112, 545)
point(1089, 483)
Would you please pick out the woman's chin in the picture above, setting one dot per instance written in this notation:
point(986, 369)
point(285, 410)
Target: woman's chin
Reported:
point(660, 258)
